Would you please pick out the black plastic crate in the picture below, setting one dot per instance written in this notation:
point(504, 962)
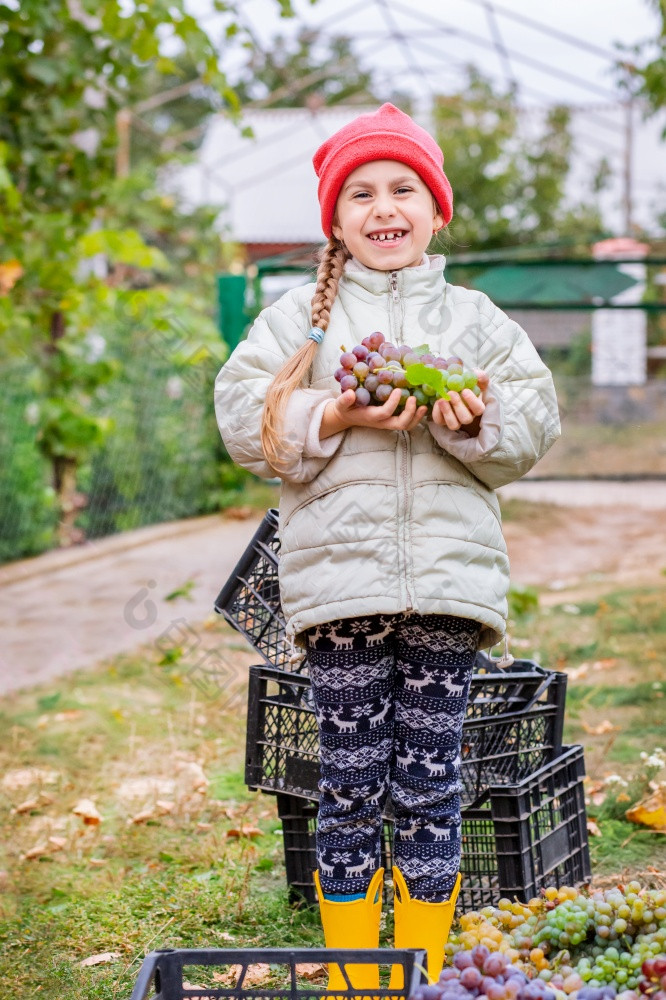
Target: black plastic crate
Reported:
point(526, 836)
point(250, 599)
point(282, 749)
point(250, 602)
point(163, 973)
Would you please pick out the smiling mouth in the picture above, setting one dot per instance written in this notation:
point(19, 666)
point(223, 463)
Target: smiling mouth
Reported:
point(391, 237)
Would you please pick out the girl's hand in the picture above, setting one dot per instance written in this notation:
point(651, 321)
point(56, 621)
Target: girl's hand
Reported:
point(343, 413)
point(464, 410)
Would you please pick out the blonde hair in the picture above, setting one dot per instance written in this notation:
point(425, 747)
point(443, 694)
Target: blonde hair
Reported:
point(293, 371)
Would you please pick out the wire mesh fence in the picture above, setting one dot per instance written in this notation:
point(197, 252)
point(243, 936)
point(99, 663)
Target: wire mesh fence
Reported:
point(161, 461)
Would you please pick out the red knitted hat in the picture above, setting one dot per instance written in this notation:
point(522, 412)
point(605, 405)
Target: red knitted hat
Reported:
point(387, 134)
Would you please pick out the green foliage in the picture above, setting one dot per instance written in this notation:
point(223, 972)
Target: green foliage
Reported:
point(87, 257)
point(523, 602)
point(643, 69)
point(509, 186)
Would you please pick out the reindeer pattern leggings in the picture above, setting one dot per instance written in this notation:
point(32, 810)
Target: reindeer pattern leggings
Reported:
point(390, 693)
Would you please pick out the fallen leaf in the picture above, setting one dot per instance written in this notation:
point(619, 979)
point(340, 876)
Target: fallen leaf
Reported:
point(57, 842)
point(651, 811)
point(142, 816)
point(101, 959)
point(606, 664)
point(38, 851)
point(604, 727)
point(245, 831)
point(239, 513)
point(164, 806)
point(10, 272)
point(227, 936)
point(26, 806)
point(255, 975)
point(68, 715)
point(97, 862)
point(204, 826)
point(311, 970)
point(87, 810)
point(593, 828)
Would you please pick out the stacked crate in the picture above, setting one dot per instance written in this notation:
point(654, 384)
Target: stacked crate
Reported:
point(523, 821)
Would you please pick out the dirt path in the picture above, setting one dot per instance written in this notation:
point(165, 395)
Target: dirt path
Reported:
point(66, 610)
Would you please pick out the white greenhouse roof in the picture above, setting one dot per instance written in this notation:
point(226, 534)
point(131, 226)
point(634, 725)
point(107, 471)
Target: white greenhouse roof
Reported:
point(265, 186)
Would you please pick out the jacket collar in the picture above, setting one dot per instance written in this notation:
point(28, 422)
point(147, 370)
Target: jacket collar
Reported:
point(424, 282)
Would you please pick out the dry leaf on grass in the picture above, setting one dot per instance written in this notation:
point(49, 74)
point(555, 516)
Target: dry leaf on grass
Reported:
point(44, 847)
point(239, 513)
point(87, 810)
point(604, 727)
point(142, 817)
point(10, 272)
point(255, 975)
point(26, 806)
point(311, 970)
point(593, 828)
point(245, 831)
point(651, 811)
point(164, 806)
point(101, 959)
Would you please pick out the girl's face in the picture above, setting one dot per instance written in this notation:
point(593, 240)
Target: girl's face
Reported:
point(385, 215)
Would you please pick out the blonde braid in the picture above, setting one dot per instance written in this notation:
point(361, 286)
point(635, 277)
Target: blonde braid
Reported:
point(293, 371)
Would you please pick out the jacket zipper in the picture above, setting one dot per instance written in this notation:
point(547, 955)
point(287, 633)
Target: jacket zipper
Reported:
point(405, 445)
point(406, 449)
point(395, 306)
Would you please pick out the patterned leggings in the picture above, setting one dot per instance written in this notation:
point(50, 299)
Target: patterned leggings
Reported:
point(390, 693)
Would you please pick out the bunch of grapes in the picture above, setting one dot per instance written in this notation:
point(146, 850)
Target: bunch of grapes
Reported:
point(582, 944)
point(374, 368)
point(653, 981)
point(483, 973)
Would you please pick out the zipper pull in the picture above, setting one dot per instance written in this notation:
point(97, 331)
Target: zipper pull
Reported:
point(394, 286)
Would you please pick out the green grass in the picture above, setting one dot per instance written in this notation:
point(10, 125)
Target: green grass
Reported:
point(614, 649)
point(182, 877)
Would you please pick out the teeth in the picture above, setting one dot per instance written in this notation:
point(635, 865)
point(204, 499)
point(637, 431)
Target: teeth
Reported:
point(387, 236)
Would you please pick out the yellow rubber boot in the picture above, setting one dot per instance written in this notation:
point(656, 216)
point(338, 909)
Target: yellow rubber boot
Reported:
point(421, 925)
point(354, 924)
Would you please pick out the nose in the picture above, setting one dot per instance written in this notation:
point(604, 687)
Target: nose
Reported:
point(383, 205)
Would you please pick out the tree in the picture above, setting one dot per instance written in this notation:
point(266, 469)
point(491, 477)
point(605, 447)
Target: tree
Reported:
point(295, 71)
point(508, 184)
point(68, 71)
point(644, 70)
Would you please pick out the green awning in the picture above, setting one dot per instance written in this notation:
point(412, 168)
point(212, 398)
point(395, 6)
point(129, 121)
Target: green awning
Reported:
point(557, 284)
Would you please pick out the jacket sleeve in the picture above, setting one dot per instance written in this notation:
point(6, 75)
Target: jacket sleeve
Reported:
point(521, 420)
point(240, 392)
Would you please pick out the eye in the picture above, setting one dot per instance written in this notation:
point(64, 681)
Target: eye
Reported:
point(362, 194)
point(403, 187)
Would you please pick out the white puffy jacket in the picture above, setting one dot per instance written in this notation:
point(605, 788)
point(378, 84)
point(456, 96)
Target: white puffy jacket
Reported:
point(381, 522)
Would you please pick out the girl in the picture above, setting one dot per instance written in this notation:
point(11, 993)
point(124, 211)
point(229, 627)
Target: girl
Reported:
point(393, 569)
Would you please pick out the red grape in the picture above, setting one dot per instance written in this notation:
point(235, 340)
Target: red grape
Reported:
point(471, 977)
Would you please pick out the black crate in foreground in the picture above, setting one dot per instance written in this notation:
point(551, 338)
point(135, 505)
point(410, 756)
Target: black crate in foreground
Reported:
point(526, 836)
point(175, 974)
point(282, 748)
